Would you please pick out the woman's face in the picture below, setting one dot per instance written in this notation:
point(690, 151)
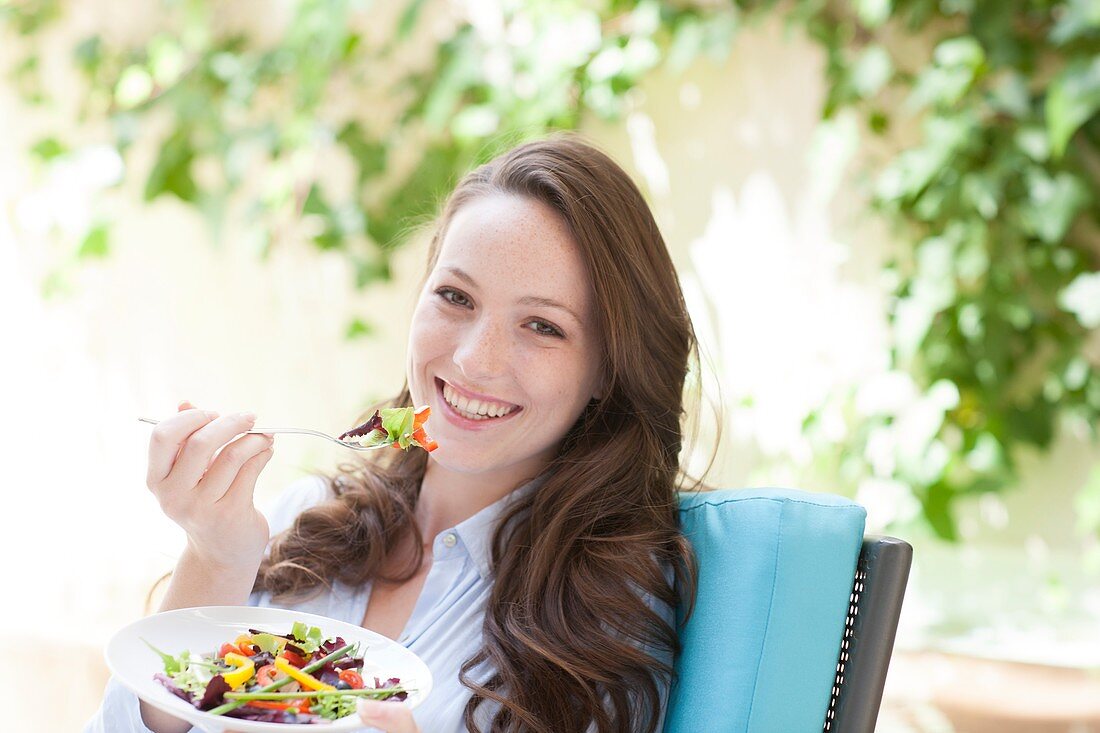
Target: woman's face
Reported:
point(503, 345)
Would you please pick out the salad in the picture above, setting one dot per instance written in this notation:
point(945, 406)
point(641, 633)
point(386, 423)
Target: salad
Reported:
point(298, 677)
point(402, 427)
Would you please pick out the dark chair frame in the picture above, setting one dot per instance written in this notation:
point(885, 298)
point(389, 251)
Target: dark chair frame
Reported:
point(875, 605)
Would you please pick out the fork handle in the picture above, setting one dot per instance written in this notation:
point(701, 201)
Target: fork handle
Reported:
point(259, 431)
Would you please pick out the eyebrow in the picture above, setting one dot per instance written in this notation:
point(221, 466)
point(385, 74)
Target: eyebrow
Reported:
point(525, 300)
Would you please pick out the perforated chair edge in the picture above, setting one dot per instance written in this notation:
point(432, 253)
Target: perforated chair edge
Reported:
point(877, 593)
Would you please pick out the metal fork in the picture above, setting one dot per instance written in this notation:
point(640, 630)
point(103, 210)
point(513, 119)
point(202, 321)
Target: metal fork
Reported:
point(303, 431)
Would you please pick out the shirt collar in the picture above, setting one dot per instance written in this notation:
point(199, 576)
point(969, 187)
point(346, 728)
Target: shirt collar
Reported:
point(477, 532)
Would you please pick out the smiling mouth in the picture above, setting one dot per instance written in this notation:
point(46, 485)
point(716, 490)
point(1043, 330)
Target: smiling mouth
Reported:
point(476, 410)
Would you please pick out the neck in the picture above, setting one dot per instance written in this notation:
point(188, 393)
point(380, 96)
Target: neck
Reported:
point(449, 497)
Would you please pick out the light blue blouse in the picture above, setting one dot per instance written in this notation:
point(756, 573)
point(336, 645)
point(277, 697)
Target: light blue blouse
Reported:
point(444, 629)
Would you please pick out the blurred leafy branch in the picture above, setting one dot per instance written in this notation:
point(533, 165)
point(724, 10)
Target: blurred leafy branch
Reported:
point(995, 293)
point(996, 298)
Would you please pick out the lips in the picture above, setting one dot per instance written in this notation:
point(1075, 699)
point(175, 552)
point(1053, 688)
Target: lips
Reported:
point(459, 419)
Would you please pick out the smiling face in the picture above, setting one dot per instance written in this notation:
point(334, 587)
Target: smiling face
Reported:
point(503, 344)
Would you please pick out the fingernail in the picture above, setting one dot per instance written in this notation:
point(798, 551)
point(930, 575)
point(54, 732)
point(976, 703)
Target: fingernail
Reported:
point(248, 416)
point(210, 415)
point(368, 707)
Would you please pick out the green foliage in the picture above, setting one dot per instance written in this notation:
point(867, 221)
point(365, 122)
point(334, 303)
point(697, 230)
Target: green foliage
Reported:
point(994, 294)
point(995, 198)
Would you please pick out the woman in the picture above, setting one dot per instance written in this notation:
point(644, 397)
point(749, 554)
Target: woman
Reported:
point(533, 560)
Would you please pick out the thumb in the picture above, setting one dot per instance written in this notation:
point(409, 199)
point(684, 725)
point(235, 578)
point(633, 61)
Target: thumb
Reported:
point(388, 716)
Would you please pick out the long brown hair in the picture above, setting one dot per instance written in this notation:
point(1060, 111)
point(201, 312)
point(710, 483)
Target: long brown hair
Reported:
point(567, 624)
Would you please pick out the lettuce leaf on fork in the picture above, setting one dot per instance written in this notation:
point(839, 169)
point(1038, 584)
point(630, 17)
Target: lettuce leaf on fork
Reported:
point(399, 426)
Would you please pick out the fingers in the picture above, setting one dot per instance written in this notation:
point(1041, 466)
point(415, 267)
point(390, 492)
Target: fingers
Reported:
point(232, 478)
point(391, 717)
point(168, 437)
point(199, 450)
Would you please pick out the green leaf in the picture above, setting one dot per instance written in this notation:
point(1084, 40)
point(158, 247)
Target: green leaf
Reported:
point(981, 192)
point(48, 148)
point(1087, 504)
point(95, 244)
point(134, 86)
point(89, 55)
point(315, 203)
point(1082, 298)
point(963, 51)
point(398, 422)
point(1072, 99)
point(873, 13)
point(1079, 18)
point(1009, 94)
point(370, 155)
point(358, 328)
point(408, 19)
point(1034, 142)
point(368, 271)
point(172, 171)
point(957, 64)
point(687, 41)
point(172, 665)
point(418, 196)
point(1033, 423)
point(308, 637)
point(475, 121)
point(871, 71)
point(1052, 204)
point(937, 509)
point(268, 642)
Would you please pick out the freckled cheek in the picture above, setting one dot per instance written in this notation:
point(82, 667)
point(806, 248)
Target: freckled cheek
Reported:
point(427, 350)
point(555, 384)
point(429, 336)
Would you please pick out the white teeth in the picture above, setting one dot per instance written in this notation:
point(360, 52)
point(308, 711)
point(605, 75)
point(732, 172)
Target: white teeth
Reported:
point(474, 409)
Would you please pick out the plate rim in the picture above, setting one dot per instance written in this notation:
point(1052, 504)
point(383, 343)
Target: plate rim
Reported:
point(167, 705)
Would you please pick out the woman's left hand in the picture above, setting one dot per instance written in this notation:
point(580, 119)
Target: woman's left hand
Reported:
point(391, 717)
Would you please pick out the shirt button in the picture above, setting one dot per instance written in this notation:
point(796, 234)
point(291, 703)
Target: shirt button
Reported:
point(450, 540)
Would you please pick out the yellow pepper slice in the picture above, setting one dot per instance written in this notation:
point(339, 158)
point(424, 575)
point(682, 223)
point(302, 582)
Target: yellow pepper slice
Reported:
point(244, 670)
point(307, 680)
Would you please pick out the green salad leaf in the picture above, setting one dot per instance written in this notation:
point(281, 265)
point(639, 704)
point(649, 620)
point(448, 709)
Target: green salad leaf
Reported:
point(195, 675)
point(172, 665)
point(398, 422)
point(269, 642)
point(309, 637)
point(333, 706)
point(375, 437)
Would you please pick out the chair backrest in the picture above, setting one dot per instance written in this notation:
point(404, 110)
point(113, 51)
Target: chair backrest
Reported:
point(869, 630)
point(760, 651)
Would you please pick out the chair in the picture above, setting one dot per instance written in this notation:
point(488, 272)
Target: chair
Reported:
point(795, 615)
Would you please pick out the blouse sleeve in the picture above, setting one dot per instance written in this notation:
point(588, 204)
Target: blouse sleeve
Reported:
point(120, 711)
point(664, 656)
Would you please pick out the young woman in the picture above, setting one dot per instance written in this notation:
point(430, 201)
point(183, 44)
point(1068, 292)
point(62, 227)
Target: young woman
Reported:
point(533, 560)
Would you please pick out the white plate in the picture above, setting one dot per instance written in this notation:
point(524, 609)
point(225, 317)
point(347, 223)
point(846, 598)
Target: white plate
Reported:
point(200, 630)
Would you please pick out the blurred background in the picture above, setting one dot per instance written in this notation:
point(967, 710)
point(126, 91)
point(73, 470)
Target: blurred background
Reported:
point(884, 214)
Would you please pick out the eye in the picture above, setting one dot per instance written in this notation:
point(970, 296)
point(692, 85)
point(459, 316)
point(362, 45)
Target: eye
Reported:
point(549, 330)
point(458, 298)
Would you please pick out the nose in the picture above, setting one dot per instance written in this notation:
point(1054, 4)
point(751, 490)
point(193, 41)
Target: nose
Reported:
point(482, 351)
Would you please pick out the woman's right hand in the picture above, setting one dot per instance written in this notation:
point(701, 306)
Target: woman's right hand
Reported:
point(211, 496)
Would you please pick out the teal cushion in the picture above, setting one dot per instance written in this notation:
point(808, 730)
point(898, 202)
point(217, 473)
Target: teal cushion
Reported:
point(775, 576)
